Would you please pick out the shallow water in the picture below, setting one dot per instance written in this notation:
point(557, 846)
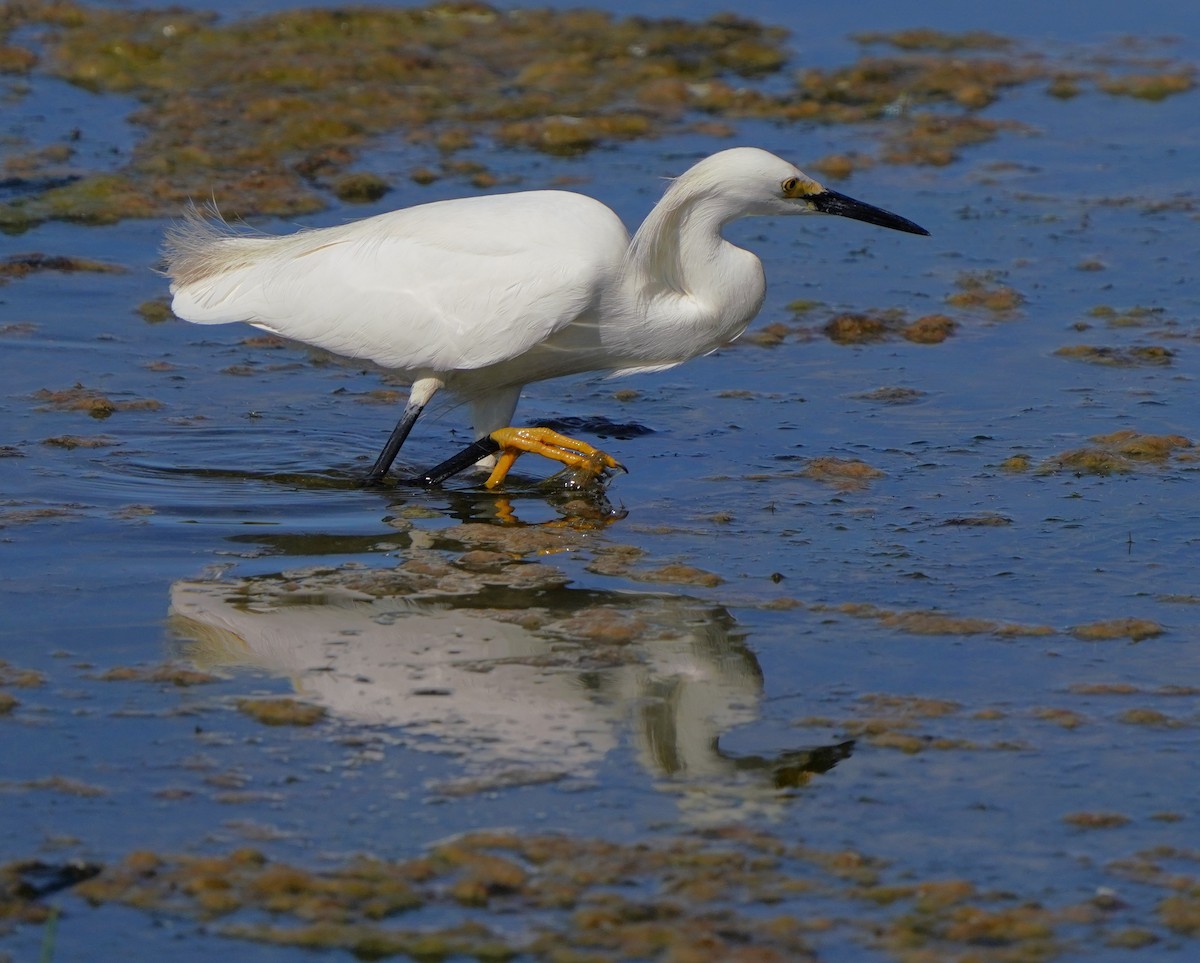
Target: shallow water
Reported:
point(960, 668)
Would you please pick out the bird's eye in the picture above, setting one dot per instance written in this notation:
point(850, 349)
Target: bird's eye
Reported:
point(790, 185)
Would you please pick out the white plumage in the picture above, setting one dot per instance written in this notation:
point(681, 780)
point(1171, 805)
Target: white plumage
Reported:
point(483, 295)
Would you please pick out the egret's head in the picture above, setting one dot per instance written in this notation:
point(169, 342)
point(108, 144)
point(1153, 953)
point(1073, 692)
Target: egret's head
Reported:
point(755, 181)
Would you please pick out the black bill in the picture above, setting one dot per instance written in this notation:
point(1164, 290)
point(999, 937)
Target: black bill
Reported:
point(831, 202)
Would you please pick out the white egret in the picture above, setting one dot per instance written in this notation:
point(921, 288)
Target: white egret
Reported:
point(483, 295)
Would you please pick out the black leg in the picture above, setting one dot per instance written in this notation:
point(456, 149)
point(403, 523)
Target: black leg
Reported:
point(395, 440)
point(452, 466)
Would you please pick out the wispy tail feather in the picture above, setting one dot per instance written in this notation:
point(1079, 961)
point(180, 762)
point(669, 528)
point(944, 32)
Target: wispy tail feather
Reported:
point(203, 245)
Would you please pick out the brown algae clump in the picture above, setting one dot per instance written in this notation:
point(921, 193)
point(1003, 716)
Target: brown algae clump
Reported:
point(363, 904)
point(730, 892)
point(96, 404)
point(268, 115)
point(1095, 820)
point(281, 712)
point(1147, 447)
point(841, 473)
point(929, 329)
point(863, 328)
point(1138, 316)
point(919, 622)
point(1117, 453)
point(1135, 630)
point(1158, 86)
point(10, 675)
point(171, 674)
point(22, 265)
point(1117, 357)
point(857, 328)
point(984, 291)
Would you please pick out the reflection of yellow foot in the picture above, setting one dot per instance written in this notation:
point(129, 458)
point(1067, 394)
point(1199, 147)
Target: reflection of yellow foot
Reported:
point(514, 442)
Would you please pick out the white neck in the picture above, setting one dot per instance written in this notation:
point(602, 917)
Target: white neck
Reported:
point(678, 255)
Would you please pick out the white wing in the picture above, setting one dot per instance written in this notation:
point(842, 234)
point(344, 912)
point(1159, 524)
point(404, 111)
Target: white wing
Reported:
point(452, 285)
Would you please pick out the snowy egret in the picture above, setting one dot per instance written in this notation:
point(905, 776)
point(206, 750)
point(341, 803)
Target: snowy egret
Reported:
point(483, 295)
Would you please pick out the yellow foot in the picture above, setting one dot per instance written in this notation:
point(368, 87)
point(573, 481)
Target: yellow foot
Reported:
point(514, 442)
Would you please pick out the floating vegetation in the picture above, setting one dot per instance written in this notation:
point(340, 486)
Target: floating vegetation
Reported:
point(925, 38)
point(1137, 356)
point(917, 622)
point(892, 396)
point(11, 675)
point(360, 188)
point(1137, 316)
point(1118, 453)
point(34, 512)
point(982, 520)
point(171, 673)
point(95, 403)
point(281, 712)
point(22, 265)
point(984, 291)
point(64, 785)
point(268, 115)
point(71, 442)
point(858, 328)
point(1158, 86)
point(727, 893)
point(24, 882)
point(155, 311)
point(1093, 820)
point(841, 473)
point(1135, 630)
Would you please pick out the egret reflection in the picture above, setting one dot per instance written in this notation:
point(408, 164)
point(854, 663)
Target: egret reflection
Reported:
point(548, 682)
